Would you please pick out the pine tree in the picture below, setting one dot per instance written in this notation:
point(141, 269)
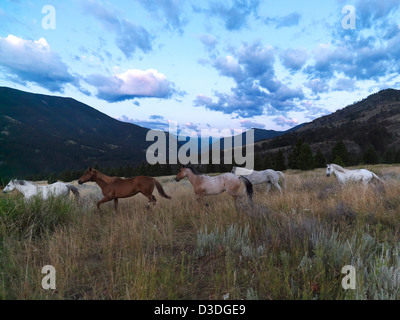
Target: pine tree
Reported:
point(258, 163)
point(397, 156)
point(370, 156)
point(340, 150)
point(267, 163)
point(293, 157)
point(279, 161)
point(338, 160)
point(305, 160)
point(389, 156)
point(319, 159)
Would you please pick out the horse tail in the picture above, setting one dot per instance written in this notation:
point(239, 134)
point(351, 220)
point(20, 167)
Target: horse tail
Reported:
point(249, 187)
point(160, 189)
point(283, 178)
point(376, 177)
point(74, 190)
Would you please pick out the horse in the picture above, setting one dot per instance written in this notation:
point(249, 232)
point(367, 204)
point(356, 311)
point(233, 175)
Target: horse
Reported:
point(204, 185)
point(257, 177)
point(114, 188)
point(28, 189)
point(343, 175)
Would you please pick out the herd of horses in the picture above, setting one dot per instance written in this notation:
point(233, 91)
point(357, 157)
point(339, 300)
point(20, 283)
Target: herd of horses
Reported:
point(235, 183)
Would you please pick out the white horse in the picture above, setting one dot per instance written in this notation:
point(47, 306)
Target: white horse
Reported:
point(28, 189)
point(343, 175)
point(257, 177)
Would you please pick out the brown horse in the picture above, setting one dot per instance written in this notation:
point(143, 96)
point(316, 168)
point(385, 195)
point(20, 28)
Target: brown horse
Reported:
point(114, 188)
point(204, 185)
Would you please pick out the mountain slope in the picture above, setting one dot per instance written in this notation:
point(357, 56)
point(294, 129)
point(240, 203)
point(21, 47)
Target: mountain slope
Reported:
point(373, 121)
point(43, 134)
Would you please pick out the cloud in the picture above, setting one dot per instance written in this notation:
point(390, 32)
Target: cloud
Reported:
point(369, 13)
point(312, 111)
point(208, 40)
point(130, 36)
point(132, 84)
point(210, 44)
point(344, 84)
point(191, 126)
point(33, 61)
point(250, 124)
point(256, 58)
point(156, 124)
point(294, 59)
point(282, 121)
point(289, 20)
point(368, 52)
point(317, 86)
point(234, 13)
point(228, 66)
point(257, 90)
point(171, 10)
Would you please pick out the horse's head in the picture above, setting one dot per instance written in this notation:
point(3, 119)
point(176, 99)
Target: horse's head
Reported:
point(181, 174)
point(328, 170)
point(233, 170)
point(10, 186)
point(89, 175)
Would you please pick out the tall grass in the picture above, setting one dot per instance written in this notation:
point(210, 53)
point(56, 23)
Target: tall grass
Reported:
point(289, 246)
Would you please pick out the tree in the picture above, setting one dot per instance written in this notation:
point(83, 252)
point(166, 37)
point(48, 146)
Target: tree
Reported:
point(279, 161)
point(305, 160)
point(370, 156)
point(319, 159)
point(293, 157)
point(267, 163)
point(397, 156)
point(338, 160)
point(258, 163)
point(340, 150)
point(389, 156)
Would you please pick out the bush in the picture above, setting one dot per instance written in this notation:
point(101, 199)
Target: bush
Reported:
point(35, 217)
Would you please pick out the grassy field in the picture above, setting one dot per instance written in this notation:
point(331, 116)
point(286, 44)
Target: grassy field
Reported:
point(290, 246)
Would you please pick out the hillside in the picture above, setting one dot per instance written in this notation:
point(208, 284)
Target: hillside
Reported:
point(44, 134)
point(373, 121)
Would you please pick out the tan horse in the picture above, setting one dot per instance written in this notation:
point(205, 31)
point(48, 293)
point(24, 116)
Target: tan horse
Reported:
point(114, 188)
point(204, 185)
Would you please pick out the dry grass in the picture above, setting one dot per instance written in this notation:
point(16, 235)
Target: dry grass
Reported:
point(290, 246)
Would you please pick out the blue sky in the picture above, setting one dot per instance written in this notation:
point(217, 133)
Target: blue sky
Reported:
point(232, 64)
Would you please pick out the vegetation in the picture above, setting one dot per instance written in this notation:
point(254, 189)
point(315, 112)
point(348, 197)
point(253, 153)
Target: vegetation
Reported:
point(291, 246)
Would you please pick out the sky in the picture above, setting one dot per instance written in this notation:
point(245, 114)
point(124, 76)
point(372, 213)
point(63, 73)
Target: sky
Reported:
point(233, 64)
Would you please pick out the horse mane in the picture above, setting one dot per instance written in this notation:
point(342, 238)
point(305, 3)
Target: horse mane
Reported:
point(339, 168)
point(192, 169)
point(22, 182)
point(107, 179)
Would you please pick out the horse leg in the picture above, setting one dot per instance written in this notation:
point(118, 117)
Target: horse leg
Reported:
point(199, 200)
point(152, 199)
point(116, 204)
point(268, 186)
point(105, 199)
point(276, 184)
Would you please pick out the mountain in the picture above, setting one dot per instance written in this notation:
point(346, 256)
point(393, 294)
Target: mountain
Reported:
point(372, 122)
point(263, 134)
point(44, 134)
point(41, 134)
